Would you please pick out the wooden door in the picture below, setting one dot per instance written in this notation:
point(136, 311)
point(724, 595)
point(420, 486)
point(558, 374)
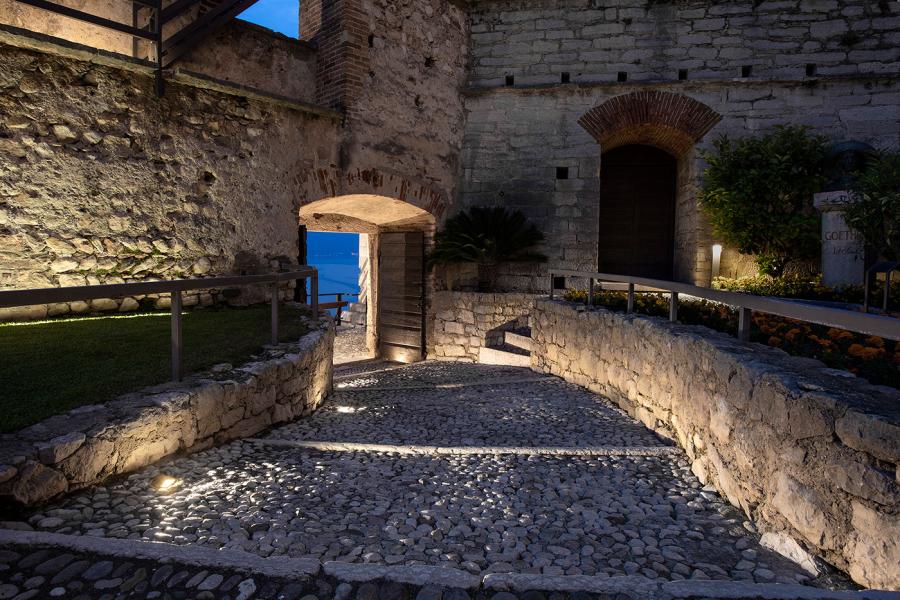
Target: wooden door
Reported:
point(401, 296)
point(637, 212)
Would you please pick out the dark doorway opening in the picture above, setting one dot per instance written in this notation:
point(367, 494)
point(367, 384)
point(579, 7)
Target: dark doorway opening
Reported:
point(637, 212)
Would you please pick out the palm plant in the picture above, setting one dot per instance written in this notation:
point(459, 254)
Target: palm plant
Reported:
point(487, 236)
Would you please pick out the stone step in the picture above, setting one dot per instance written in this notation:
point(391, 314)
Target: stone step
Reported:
point(505, 356)
point(517, 340)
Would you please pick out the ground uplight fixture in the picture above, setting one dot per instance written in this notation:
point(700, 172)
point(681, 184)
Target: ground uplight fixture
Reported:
point(165, 484)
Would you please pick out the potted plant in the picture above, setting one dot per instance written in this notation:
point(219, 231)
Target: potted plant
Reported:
point(487, 237)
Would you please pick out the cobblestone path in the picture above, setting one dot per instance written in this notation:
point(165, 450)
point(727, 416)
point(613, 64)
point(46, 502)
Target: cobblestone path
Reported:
point(586, 490)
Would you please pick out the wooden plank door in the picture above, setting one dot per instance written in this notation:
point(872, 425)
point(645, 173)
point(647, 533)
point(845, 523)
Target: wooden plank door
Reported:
point(401, 296)
point(637, 212)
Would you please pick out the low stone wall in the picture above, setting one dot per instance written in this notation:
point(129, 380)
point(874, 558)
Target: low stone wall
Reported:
point(809, 453)
point(466, 321)
point(92, 443)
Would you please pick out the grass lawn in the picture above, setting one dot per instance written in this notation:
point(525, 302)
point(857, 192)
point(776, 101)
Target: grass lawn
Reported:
point(50, 367)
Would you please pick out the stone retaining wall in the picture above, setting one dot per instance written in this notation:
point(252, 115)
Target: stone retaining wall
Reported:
point(809, 453)
point(466, 321)
point(94, 442)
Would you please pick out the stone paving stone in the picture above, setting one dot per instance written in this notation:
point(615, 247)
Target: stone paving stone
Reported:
point(603, 516)
point(610, 515)
point(540, 413)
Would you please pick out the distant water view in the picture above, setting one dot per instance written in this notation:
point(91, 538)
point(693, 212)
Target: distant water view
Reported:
point(336, 255)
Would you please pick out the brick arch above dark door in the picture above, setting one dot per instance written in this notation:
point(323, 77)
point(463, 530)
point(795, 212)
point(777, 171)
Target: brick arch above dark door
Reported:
point(637, 212)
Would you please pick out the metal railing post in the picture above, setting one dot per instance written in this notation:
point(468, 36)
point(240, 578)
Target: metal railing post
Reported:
point(630, 306)
point(176, 336)
point(745, 320)
point(590, 296)
point(337, 316)
point(275, 313)
point(314, 294)
point(673, 307)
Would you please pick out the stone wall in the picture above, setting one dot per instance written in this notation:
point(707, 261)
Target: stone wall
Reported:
point(466, 321)
point(249, 55)
point(103, 182)
point(397, 70)
point(829, 64)
point(809, 453)
point(94, 442)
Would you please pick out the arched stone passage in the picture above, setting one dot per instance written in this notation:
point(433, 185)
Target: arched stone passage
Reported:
point(393, 280)
point(333, 182)
point(673, 123)
point(669, 121)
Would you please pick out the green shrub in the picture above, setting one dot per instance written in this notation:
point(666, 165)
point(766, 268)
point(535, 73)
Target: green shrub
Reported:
point(757, 193)
point(876, 212)
point(487, 236)
point(806, 289)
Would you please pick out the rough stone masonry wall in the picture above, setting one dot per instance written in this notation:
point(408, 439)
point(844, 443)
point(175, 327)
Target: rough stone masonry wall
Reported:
point(397, 69)
point(94, 442)
point(516, 136)
point(103, 182)
point(466, 321)
point(804, 450)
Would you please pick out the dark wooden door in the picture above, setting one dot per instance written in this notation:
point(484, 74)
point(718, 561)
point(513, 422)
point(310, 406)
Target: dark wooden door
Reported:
point(637, 212)
point(401, 296)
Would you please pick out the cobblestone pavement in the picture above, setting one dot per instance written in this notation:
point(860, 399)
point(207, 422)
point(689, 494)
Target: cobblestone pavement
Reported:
point(350, 344)
point(536, 413)
point(606, 514)
point(40, 573)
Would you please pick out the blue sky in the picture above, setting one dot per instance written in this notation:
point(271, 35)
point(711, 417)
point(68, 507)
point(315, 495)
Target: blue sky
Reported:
point(281, 15)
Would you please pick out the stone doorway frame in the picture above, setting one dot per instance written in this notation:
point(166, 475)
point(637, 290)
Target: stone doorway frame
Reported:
point(674, 123)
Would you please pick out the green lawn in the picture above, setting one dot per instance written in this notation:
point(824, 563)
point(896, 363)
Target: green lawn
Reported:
point(50, 367)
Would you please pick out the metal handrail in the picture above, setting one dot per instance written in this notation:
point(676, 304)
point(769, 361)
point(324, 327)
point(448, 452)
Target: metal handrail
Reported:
point(174, 287)
point(886, 327)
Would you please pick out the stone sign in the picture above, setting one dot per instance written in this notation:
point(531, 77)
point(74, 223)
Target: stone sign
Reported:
point(843, 250)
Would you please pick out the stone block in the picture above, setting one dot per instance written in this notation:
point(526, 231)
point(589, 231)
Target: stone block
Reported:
point(870, 433)
point(875, 548)
point(36, 483)
point(863, 481)
point(805, 510)
point(60, 447)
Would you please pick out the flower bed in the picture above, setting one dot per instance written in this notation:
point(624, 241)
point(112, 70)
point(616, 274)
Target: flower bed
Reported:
point(870, 357)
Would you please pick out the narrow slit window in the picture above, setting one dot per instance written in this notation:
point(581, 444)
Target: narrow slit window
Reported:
point(682, 74)
point(622, 77)
point(746, 71)
point(810, 70)
point(564, 78)
point(562, 172)
point(510, 80)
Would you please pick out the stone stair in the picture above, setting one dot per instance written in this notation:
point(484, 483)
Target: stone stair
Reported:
point(514, 350)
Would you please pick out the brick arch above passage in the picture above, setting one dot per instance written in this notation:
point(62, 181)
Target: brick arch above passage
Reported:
point(670, 121)
point(326, 182)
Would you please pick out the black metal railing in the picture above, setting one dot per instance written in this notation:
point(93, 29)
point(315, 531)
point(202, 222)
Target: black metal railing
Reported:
point(746, 304)
point(339, 304)
point(175, 287)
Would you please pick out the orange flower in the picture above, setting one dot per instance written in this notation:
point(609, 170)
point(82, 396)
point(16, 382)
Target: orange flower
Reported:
point(839, 334)
point(860, 351)
point(793, 333)
point(875, 342)
point(774, 341)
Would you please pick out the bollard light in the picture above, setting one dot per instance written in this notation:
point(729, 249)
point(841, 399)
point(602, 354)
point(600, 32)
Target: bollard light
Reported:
point(716, 260)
